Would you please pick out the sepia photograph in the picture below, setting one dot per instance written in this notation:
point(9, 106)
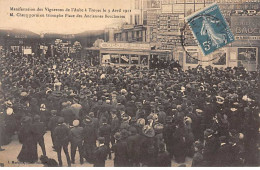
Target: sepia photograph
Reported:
point(129, 83)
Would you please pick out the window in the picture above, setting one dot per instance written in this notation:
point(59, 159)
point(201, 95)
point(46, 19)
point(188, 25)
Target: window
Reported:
point(115, 58)
point(137, 17)
point(105, 58)
point(124, 58)
point(131, 19)
point(134, 59)
point(144, 60)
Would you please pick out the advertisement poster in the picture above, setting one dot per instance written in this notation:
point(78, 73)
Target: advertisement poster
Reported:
point(192, 58)
point(220, 58)
point(247, 54)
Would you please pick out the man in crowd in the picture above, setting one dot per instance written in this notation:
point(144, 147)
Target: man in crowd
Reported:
point(40, 130)
point(100, 155)
point(61, 140)
point(76, 140)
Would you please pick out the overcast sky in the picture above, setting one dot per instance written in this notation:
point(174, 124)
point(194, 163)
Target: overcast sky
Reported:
point(59, 25)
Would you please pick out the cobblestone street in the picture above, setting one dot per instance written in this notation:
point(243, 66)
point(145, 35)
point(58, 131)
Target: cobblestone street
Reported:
point(9, 156)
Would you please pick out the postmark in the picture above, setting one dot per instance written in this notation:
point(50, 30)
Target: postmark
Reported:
point(210, 29)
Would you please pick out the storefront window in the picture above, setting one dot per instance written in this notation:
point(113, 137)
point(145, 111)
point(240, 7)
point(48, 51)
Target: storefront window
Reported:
point(124, 58)
point(134, 59)
point(105, 58)
point(115, 58)
point(144, 59)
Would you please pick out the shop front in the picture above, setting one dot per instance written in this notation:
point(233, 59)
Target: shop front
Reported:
point(128, 54)
point(124, 58)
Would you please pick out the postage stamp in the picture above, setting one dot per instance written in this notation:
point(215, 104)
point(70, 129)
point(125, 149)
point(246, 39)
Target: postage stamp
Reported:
point(210, 29)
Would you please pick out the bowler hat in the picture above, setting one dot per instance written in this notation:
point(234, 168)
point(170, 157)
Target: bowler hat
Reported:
point(60, 120)
point(208, 133)
point(101, 139)
point(117, 136)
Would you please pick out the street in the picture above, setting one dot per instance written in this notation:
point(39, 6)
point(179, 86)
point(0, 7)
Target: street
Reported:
point(9, 156)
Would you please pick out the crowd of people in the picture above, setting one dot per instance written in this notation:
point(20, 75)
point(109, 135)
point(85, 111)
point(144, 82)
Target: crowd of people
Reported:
point(144, 117)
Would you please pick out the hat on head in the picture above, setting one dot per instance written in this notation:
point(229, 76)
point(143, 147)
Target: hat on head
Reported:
point(199, 111)
point(233, 109)
point(43, 107)
point(187, 119)
point(123, 91)
point(24, 94)
point(220, 100)
point(198, 145)
point(37, 118)
point(9, 103)
point(158, 127)
point(126, 117)
point(140, 122)
point(132, 130)
point(60, 120)
point(75, 122)
point(53, 111)
point(148, 131)
point(117, 136)
point(179, 107)
point(91, 114)
point(124, 134)
point(222, 138)
point(104, 120)
point(208, 133)
point(88, 119)
point(101, 139)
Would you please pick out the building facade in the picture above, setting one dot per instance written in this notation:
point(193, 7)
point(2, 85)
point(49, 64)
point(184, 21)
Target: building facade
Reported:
point(164, 22)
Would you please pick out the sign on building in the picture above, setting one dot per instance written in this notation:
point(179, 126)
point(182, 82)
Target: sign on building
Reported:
point(129, 46)
point(246, 29)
